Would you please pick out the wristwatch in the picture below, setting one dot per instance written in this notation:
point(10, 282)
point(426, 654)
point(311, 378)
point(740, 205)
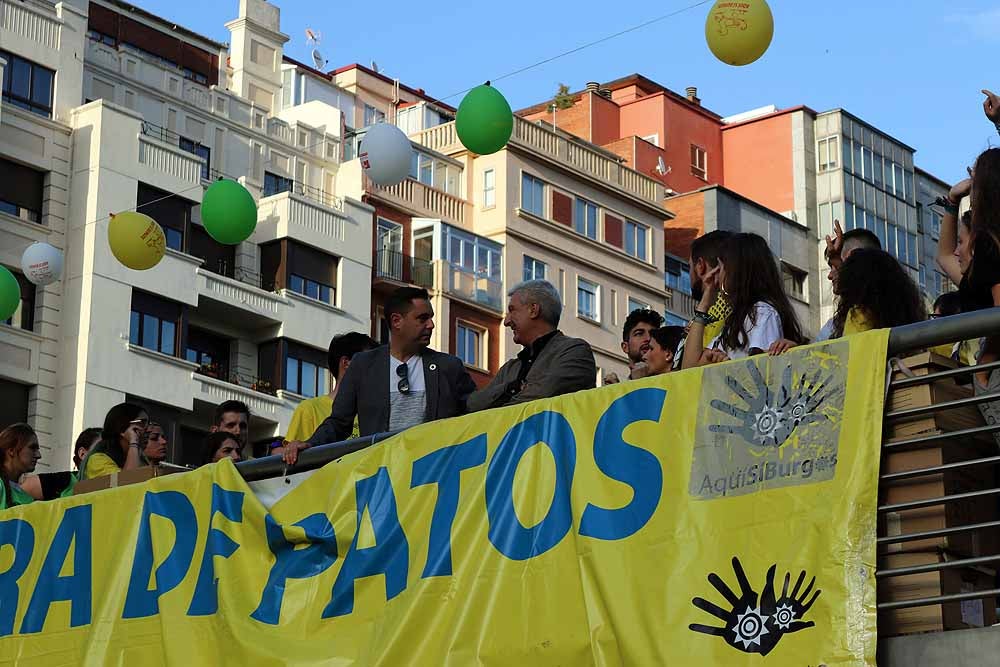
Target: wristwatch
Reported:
point(702, 317)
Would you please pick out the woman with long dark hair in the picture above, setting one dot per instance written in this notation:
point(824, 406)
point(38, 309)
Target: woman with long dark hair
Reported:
point(121, 442)
point(748, 278)
point(874, 292)
point(20, 452)
point(221, 445)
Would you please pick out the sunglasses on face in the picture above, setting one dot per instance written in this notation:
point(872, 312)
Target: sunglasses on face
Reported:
point(403, 386)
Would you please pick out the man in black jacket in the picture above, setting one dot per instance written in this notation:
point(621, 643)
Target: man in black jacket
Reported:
point(398, 385)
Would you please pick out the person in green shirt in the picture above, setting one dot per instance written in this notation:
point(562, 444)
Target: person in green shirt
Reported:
point(20, 451)
point(119, 448)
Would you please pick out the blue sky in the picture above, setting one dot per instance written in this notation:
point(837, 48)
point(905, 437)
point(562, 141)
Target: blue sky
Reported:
point(913, 68)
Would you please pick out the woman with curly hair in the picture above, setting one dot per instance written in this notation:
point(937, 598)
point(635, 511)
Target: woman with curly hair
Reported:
point(874, 292)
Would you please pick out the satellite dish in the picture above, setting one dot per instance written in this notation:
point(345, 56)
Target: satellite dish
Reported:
point(375, 67)
point(318, 60)
point(661, 167)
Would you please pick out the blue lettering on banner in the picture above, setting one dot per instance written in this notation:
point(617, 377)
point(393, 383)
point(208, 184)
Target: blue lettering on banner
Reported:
point(444, 468)
point(76, 531)
point(390, 555)
point(508, 535)
point(176, 508)
point(18, 534)
point(206, 595)
point(623, 462)
point(292, 563)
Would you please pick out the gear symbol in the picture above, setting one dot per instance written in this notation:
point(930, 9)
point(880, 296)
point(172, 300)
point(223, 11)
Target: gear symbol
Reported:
point(767, 423)
point(750, 627)
point(784, 616)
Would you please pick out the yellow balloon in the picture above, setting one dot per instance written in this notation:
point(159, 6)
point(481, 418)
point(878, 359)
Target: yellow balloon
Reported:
point(136, 240)
point(739, 31)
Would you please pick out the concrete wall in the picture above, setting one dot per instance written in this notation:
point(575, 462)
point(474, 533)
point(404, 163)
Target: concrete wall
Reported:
point(959, 648)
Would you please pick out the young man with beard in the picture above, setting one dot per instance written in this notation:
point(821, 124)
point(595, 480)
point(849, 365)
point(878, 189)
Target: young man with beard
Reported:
point(636, 336)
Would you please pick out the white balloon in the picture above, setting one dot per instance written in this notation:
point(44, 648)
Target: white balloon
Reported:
point(42, 263)
point(386, 154)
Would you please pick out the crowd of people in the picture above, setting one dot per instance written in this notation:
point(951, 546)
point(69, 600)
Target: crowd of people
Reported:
point(742, 310)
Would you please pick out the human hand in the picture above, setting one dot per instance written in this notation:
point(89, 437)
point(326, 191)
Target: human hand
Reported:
point(611, 378)
point(961, 190)
point(711, 284)
point(780, 347)
point(290, 451)
point(834, 244)
point(639, 371)
point(709, 357)
point(991, 106)
point(134, 433)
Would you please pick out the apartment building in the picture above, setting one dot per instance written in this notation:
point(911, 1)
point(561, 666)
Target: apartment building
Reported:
point(158, 113)
point(932, 281)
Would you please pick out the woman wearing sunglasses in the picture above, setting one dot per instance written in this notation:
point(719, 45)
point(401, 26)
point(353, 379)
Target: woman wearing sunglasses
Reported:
point(121, 442)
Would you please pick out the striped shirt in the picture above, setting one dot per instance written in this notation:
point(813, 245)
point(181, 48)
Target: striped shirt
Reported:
point(407, 409)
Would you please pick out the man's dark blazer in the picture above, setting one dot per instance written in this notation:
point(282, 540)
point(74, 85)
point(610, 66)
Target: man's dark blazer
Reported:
point(364, 393)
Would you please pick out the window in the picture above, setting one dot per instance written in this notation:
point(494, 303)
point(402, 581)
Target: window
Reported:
point(635, 304)
point(635, 239)
point(935, 223)
point(794, 280)
point(897, 176)
point(372, 115)
point(173, 213)
point(96, 36)
point(588, 300)
point(469, 344)
point(304, 378)
point(585, 218)
point(311, 288)
point(153, 323)
point(209, 351)
point(389, 245)
point(869, 164)
point(273, 184)
point(24, 315)
point(828, 151)
point(489, 189)
point(678, 275)
point(923, 278)
point(846, 151)
point(27, 85)
point(533, 269)
point(938, 285)
point(671, 320)
point(21, 191)
point(699, 162)
point(201, 151)
point(533, 195)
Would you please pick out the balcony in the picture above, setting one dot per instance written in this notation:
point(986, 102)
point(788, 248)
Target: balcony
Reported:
point(31, 23)
point(240, 297)
point(259, 396)
point(313, 218)
point(456, 281)
point(679, 303)
point(160, 156)
point(425, 201)
point(578, 154)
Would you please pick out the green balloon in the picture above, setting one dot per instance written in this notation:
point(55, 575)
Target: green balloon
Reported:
point(484, 121)
point(10, 294)
point(228, 212)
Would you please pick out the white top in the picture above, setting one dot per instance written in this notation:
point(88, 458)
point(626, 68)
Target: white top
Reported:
point(761, 335)
point(406, 410)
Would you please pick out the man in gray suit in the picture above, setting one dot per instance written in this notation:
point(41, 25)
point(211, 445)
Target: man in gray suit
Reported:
point(550, 364)
point(398, 385)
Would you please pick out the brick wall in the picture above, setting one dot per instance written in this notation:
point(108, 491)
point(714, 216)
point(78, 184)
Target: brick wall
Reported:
point(688, 224)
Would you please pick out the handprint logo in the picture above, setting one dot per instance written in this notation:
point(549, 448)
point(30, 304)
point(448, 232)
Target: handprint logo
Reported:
point(756, 624)
point(771, 418)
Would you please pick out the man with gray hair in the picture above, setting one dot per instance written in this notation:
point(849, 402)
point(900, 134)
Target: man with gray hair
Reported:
point(551, 363)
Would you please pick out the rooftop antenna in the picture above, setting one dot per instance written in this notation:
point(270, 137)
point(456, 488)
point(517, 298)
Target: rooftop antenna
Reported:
point(313, 37)
point(375, 68)
point(661, 167)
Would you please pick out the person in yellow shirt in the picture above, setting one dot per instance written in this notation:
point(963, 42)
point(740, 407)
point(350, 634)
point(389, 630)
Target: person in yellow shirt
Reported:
point(120, 445)
point(874, 292)
point(311, 412)
point(964, 351)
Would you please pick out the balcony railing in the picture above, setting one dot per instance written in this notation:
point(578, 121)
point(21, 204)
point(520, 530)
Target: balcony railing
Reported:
point(579, 155)
point(30, 22)
point(422, 273)
point(253, 383)
point(389, 264)
point(474, 286)
point(425, 201)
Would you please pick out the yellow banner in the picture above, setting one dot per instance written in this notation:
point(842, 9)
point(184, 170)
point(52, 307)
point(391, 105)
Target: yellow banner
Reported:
point(723, 516)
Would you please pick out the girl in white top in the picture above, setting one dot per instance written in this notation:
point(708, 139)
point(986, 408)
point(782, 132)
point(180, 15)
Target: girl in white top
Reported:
point(748, 277)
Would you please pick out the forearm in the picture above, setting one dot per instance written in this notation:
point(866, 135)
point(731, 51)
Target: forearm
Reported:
point(694, 346)
point(133, 459)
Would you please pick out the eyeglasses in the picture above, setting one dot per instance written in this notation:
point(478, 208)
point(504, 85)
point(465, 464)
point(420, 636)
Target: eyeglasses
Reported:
point(403, 372)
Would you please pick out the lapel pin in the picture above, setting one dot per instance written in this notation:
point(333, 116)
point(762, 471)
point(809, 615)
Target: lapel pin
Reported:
point(433, 367)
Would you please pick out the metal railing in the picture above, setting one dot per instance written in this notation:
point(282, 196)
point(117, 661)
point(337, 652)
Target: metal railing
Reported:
point(160, 133)
point(985, 495)
point(389, 264)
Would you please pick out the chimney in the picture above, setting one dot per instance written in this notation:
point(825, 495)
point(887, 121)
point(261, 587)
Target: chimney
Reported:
point(692, 95)
point(605, 93)
point(593, 87)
